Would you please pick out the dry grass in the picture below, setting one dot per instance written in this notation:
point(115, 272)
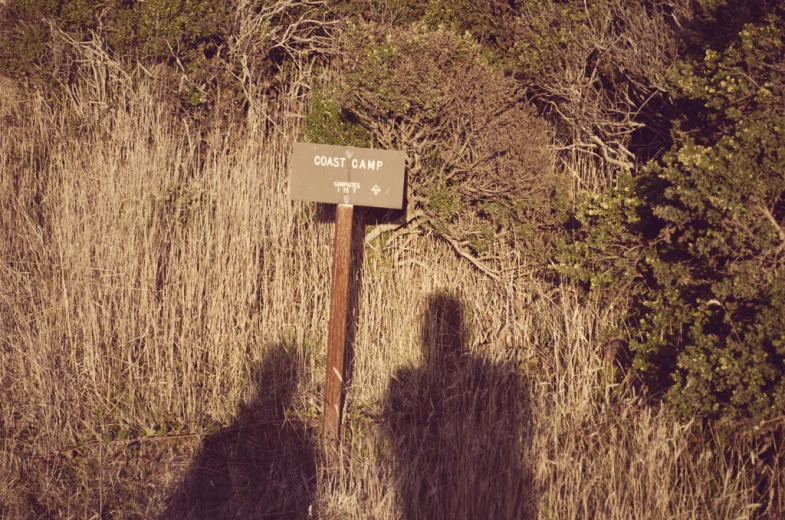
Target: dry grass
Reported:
point(148, 284)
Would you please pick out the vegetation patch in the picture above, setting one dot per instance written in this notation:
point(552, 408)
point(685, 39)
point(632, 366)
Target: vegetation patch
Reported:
point(698, 237)
point(479, 170)
point(163, 304)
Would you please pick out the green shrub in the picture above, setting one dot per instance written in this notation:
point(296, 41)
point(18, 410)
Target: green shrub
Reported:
point(182, 34)
point(155, 29)
point(608, 242)
point(478, 159)
point(169, 29)
point(596, 70)
point(328, 123)
point(491, 22)
point(699, 237)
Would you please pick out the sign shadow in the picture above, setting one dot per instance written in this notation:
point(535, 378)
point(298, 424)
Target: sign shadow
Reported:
point(262, 465)
point(456, 425)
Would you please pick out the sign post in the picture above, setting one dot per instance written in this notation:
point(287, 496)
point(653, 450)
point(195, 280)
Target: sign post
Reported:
point(336, 336)
point(346, 176)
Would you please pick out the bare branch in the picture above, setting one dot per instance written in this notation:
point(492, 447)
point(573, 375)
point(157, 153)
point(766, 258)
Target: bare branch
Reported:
point(767, 213)
point(384, 228)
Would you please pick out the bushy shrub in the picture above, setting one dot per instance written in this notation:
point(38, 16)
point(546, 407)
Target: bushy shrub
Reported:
point(596, 70)
point(478, 160)
point(328, 123)
point(39, 39)
point(490, 22)
point(607, 240)
point(599, 68)
point(210, 57)
point(701, 234)
point(155, 29)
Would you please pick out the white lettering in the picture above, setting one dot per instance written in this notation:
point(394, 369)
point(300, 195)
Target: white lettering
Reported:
point(361, 164)
point(335, 162)
point(343, 184)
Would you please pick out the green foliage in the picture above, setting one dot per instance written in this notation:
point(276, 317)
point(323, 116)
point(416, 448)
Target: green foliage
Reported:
point(404, 73)
point(609, 245)
point(327, 123)
point(154, 29)
point(731, 85)
point(182, 34)
point(717, 23)
point(550, 32)
point(702, 234)
point(162, 29)
point(490, 22)
point(478, 160)
point(23, 47)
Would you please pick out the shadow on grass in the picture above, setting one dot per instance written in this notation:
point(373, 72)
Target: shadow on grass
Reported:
point(263, 465)
point(455, 426)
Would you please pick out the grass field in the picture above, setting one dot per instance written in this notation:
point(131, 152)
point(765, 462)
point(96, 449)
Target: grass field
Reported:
point(164, 311)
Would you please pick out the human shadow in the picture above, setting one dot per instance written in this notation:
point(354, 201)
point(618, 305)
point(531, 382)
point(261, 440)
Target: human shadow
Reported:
point(456, 425)
point(263, 464)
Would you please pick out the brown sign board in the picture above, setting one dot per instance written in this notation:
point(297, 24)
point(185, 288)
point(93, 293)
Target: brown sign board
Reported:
point(347, 175)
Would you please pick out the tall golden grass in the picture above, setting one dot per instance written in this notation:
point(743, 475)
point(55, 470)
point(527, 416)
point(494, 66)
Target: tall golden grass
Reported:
point(148, 270)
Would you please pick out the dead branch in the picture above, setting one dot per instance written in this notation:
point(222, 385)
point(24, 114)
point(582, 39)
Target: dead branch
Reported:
point(384, 228)
point(767, 213)
point(491, 273)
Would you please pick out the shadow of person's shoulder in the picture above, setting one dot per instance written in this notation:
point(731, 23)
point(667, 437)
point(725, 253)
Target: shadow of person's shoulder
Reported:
point(455, 423)
point(263, 464)
point(484, 372)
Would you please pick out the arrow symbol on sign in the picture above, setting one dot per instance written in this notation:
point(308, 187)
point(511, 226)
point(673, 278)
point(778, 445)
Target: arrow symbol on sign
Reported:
point(376, 190)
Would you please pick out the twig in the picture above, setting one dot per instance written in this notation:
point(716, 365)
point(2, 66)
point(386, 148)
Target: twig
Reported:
point(383, 228)
point(608, 158)
point(776, 225)
point(494, 275)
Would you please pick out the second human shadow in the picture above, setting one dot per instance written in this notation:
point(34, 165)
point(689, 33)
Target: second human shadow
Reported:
point(263, 465)
point(457, 425)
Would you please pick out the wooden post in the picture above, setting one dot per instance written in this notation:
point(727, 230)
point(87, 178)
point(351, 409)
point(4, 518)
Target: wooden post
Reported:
point(339, 295)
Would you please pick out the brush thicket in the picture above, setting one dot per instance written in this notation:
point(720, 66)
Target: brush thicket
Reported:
point(150, 272)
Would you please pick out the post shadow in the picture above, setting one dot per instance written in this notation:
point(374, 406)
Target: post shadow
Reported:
point(363, 218)
point(455, 426)
point(262, 465)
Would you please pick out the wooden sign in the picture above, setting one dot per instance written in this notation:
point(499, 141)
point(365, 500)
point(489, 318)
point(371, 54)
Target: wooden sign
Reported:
point(347, 175)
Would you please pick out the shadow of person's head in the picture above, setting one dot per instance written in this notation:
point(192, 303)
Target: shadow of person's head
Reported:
point(260, 466)
point(443, 329)
point(456, 424)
